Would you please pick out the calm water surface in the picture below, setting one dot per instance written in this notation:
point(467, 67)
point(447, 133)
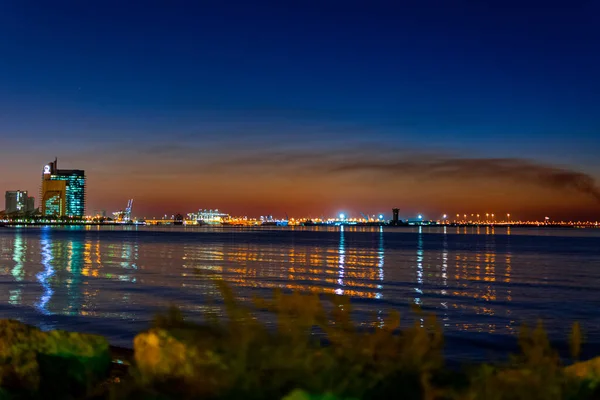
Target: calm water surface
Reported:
point(482, 283)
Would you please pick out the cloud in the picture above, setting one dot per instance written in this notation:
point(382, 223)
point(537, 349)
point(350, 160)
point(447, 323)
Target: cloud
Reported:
point(177, 160)
point(513, 169)
point(408, 163)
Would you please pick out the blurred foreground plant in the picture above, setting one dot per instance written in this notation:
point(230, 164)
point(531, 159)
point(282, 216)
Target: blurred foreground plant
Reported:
point(535, 373)
point(239, 357)
point(316, 351)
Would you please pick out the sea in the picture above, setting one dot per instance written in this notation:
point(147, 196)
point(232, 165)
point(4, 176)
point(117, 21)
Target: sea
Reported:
point(482, 283)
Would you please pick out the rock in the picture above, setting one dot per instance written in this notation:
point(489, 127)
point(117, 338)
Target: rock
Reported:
point(585, 369)
point(59, 361)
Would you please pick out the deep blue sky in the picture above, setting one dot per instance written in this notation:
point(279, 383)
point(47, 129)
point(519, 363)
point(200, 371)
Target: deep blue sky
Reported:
point(468, 78)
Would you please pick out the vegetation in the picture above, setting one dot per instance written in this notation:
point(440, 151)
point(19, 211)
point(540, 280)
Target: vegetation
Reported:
point(315, 352)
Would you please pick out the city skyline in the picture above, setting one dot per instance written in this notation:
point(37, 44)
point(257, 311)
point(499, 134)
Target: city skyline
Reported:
point(571, 181)
point(245, 109)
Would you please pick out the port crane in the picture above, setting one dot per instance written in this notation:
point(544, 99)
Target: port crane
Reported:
point(128, 210)
point(124, 216)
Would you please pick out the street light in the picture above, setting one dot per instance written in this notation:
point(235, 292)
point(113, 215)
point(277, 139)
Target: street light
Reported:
point(342, 216)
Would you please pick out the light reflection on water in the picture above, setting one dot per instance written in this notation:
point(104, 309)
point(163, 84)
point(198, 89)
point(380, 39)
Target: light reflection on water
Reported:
point(44, 275)
point(342, 258)
point(481, 281)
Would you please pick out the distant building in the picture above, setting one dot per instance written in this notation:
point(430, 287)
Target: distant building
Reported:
point(208, 217)
point(63, 191)
point(395, 217)
point(18, 201)
point(99, 214)
point(30, 204)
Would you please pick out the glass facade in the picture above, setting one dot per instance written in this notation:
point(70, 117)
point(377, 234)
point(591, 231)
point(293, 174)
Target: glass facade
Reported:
point(75, 191)
point(53, 204)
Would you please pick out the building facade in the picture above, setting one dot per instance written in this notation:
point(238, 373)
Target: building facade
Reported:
point(30, 204)
point(63, 191)
point(19, 202)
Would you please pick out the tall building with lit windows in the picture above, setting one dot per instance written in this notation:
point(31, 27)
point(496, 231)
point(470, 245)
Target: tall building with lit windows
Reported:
point(18, 201)
point(63, 191)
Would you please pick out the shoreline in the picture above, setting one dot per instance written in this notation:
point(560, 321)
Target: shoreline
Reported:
point(324, 225)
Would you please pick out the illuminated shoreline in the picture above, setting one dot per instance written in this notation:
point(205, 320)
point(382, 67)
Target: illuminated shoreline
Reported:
point(254, 224)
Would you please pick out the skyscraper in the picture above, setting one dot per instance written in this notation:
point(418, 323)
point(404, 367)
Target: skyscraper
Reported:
point(18, 201)
point(63, 191)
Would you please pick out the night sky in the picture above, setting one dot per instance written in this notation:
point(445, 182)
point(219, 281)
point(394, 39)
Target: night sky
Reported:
point(309, 108)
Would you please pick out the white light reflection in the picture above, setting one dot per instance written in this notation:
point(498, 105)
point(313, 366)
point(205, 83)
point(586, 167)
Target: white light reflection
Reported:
point(136, 256)
point(445, 277)
point(380, 257)
point(419, 288)
point(126, 251)
point(342, 259)
point(129, 259)
point(379, 295)
point(507, 278)
point(44, 276)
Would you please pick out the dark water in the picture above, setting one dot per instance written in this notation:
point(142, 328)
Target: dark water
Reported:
point(482, 283)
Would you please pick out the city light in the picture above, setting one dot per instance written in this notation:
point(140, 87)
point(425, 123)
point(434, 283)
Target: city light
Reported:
point(63, 202)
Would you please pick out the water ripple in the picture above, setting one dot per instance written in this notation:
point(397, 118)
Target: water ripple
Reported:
point(479, 282)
